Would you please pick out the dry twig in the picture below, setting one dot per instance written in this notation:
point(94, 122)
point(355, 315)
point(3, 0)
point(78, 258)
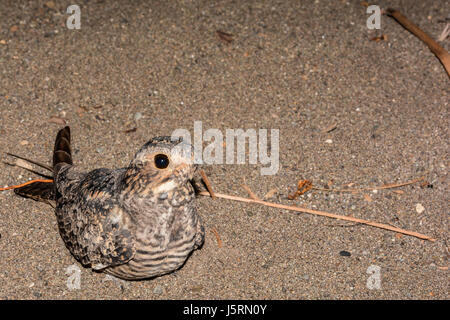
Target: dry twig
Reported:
point(322, 213)
point(219, 241)
point(207, 184)
point(386, 186)
point(250, 192)
point(270, 193)
point(302, 187)
point(440, 52)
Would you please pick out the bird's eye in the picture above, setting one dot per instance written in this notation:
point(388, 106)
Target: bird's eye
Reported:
point(161, 161)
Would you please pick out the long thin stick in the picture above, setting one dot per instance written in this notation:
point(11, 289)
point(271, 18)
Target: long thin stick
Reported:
point(387, 186)
point(440, 52)
point(31, 161)
point(320, 213)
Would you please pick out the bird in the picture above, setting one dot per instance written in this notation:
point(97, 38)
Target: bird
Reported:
point(136, 222)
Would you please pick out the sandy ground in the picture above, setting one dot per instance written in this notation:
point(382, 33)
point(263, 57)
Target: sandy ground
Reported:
point(296, 66)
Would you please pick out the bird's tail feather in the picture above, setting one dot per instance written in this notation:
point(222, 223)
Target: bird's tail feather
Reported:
point(37, 190)
point(45, 190)
point(62, 153)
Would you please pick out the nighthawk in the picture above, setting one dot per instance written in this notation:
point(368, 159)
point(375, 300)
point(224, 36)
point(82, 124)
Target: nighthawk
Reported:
point(134, 223)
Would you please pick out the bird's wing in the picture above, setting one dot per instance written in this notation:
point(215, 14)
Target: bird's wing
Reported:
point(108, 239)
point(94, 227)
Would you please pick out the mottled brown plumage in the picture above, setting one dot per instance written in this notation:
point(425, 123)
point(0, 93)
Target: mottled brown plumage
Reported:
point(135, 222)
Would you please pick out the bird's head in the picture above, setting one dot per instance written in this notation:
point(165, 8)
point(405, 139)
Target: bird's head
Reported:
point(161, 165)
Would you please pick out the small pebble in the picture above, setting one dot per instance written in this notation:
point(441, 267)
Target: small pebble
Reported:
point(197, 289)
point(419, 208)
point(137, 116)
point(23, 142)
point(328, 141)
point(158, 289)
point(344, 253)
point(50, 4)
